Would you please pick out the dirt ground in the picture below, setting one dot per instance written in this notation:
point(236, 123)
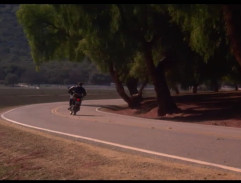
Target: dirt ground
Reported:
point(222, 109)
point(27, 154)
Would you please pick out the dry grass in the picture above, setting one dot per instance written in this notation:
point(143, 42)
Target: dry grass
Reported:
point(26, 154)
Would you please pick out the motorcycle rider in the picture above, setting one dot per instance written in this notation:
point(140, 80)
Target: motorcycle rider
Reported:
point(79, 89)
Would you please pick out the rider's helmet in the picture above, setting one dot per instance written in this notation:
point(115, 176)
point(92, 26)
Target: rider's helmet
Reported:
point(79, 83)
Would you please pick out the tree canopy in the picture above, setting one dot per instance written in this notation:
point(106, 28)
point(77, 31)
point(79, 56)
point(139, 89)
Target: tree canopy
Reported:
point(135, 42)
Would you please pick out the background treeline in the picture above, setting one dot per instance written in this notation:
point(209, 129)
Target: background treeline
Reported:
point(17, 66)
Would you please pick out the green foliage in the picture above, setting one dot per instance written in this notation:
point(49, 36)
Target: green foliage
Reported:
point(45, 31)
point(202, 25)
point(116, 34)
point(138, 68)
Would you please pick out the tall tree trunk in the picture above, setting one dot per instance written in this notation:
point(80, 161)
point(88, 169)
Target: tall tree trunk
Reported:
point(132, 84)
point(136, 96)
point(232, 16)
point(215, 85)
point(194, 88)
point(165, 103)
point(119, 87)
point(142, 88)
point(175, 88)
point(236, 87)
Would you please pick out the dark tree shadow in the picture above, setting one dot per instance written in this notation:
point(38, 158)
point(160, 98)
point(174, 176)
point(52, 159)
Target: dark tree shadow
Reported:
point(111, 107)
point(207, 107)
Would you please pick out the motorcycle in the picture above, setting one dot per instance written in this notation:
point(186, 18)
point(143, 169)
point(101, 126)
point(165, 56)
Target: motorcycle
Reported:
point(75, 107)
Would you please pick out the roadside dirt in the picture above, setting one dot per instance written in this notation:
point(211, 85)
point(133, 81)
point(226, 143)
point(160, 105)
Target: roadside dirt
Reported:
point(27, 154)
point(221, 109)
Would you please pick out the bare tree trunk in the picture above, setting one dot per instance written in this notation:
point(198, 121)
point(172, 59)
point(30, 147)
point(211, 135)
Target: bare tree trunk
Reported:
point(236, 87)
point(194, 88)
point(165, 103)
point(232, 16)
point(215, 85)
point(132, 84)
point(136, 96)
point(175, 88)
point(119, 87)
point(142, 88)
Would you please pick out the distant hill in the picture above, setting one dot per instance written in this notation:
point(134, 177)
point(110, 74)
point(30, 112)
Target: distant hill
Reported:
point(16, 64)
point(12, 40)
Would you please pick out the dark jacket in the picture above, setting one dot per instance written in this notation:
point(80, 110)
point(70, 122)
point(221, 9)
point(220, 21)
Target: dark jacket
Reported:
point(77, 89)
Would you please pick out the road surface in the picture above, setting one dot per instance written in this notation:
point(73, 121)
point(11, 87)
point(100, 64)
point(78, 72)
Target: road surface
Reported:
point(215, 146)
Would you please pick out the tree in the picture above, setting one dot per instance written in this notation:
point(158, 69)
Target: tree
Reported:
point(72, 31)
point(47, 37)
point(231, 16)
point(111, 36)
point(151, 31)
point(204, 25)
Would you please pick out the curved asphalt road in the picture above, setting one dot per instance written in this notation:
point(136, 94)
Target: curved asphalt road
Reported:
point(204, 144)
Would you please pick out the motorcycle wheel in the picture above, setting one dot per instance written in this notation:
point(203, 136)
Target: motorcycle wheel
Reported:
point(76, 109)
point(71, 110)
